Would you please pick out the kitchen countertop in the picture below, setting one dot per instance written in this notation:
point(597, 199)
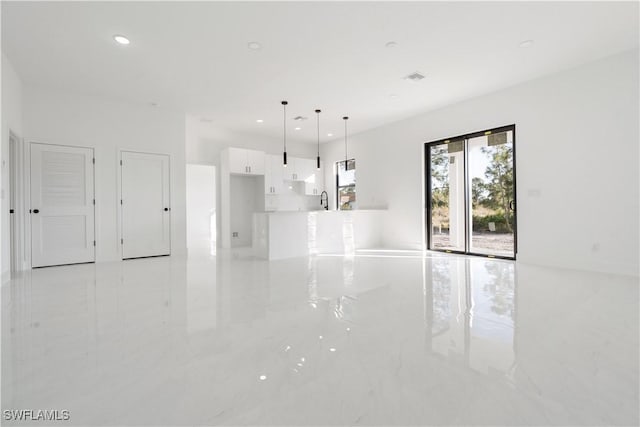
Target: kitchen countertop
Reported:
point(321, 211)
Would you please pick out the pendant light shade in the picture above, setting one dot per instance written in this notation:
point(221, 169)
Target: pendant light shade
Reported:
point(318, 120)
point(346, 157)
point(284, 115)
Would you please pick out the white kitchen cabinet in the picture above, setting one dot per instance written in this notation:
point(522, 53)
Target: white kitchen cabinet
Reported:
point(256, 162)
point(273, 174)
point(289, 171)
point(314, 185)
point(299, 169)
point(246, 162)
point(305, 169)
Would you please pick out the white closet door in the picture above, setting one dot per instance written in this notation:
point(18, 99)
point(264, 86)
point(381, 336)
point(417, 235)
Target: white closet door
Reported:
point(62, 205)
point(146, 212)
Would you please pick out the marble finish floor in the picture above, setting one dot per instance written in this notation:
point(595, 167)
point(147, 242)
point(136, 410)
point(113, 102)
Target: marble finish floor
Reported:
point(380, 338)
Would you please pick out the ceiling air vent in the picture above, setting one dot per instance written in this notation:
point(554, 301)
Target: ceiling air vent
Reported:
point(415, 77)
point(300, 118)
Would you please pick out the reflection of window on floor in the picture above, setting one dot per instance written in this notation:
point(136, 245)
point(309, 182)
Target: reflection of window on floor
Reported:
point(346, 184)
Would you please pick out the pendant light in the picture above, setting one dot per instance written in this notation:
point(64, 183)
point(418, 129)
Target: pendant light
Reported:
point(284, 112)
point(346, 157)
point(318, 121)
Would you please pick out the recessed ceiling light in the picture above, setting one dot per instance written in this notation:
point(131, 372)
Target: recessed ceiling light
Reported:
point(254, 45)
point(121, 39)
point(391, 45)
point(393, 96)
point(526, 43)
point(329, 134)
point(259, 121)
point(298, 128)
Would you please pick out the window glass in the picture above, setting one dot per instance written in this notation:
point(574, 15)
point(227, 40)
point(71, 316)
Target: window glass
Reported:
point(346, 184)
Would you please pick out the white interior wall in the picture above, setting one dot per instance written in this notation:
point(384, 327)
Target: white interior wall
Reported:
point(108, 126)
point(11, 122)
point(577, 141)
point(201, 209)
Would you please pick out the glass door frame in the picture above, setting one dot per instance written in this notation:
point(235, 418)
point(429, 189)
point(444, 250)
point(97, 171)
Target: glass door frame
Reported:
point(467, 190)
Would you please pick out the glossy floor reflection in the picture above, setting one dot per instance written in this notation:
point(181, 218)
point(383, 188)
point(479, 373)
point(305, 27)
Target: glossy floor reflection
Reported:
point(381, 338)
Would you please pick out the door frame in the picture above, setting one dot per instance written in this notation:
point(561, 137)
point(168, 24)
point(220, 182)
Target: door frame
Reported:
point(120, 236)
point(467, 231)
point(27, 202)
point(18, 197)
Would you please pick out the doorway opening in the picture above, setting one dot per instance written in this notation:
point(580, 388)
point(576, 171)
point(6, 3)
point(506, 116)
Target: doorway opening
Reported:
point(16, 220)
point(471, 194)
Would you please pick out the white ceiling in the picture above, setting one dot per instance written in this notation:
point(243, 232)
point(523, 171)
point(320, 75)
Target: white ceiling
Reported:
point(194, 56)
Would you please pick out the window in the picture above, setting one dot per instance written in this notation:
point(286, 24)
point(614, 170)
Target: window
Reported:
point(346, 184)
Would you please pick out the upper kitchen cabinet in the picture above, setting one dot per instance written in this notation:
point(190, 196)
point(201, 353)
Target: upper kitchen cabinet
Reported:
point(299, 169)
point(273, 174)
point(305, 169)
point(246, 162)
point(314, 185)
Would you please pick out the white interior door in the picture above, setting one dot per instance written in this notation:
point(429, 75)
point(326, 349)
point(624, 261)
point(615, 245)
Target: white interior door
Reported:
point(62, 205)
point(146, 211)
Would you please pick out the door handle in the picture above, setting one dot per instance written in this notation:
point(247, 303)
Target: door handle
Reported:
point(36, 211)
point(512, 205)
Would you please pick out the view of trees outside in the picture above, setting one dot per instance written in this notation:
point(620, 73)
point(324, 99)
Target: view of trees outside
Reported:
point(492, 193)
point(440, 196)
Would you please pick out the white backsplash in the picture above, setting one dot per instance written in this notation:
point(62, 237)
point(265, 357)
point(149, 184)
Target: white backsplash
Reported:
point(292, 199)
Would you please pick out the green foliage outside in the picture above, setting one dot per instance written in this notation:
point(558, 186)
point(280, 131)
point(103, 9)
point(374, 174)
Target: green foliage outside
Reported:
point(495, 192)
point(490, 195)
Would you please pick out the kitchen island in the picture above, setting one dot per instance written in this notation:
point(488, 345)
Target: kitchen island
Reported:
point(279, 235)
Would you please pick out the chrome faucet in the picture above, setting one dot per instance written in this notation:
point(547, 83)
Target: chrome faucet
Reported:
point(324, 200)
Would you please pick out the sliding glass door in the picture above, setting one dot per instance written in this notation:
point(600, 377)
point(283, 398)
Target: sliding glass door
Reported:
point(447, 196)
point(471, 194)
point(492, 207)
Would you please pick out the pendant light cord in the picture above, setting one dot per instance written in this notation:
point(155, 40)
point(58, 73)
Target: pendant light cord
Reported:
point(318, 121)
point(284, 132)
point(284, 123)
point(345, 142)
